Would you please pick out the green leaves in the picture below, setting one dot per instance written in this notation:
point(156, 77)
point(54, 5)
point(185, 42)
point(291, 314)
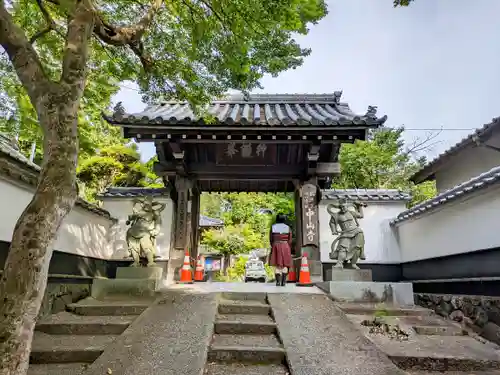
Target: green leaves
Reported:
point(243, 218)
point(383, 163)
point(402, 3)
point(115, 166)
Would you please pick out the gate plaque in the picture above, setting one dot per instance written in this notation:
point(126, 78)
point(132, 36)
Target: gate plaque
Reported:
point(246, 154)
point(181, 220)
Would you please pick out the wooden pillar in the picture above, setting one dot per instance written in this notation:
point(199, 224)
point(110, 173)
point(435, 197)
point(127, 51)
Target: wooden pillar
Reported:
point(181, 228)
point(195, 218)
point(298, 220)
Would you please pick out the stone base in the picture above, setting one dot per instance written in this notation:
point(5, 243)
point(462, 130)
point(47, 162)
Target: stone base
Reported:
point(132, 287)
point(133, 281)
point(316, 270)
point(370, 292)
point(349, 274)
point(149, 273)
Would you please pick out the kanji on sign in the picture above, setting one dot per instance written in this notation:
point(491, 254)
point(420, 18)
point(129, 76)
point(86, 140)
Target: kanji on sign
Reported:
point(261, 149)
point(246, 150)
point(309, 215)
point(231, 149)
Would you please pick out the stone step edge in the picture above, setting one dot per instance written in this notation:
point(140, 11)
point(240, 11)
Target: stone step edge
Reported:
point(88, 355)
point(246, 323)
point(391, 311)
point(79, 329)
point(440, 364)
point(231, 302)
point(241, 348)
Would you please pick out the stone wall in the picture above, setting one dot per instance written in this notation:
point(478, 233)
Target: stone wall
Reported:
point(61, 293)
point(479, 313)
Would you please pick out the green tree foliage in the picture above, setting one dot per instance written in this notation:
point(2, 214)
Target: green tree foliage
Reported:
point(118, 165)
point(402, 3)
point(246, 222)
point(382, 162)
point(18, 117)
point(236, 273)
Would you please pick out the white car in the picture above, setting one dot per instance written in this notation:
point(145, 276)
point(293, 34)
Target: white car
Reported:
point(255, 271)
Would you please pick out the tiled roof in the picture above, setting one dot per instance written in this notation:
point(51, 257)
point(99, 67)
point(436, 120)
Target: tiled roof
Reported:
point(431, 167)
point(9, 147)
point(131, 192)
point(206, 221)
point(366, 194)
point(261, 109)
point(28, 172)
point(479, 182)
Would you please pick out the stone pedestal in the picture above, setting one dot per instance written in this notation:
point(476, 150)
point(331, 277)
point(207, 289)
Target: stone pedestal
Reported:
point(369, 292)
point(316, 270)
point(149, 273)
point(133, 281)
point(346, 274)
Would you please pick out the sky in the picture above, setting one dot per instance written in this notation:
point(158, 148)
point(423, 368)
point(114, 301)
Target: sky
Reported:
point(434, 65)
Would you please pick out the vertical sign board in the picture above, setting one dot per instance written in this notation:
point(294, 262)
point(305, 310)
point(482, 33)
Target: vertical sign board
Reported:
point(181, 220)
point(310, 235)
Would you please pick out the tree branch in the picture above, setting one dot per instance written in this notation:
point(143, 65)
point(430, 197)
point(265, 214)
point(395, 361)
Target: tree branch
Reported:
point(23, 56)
point(130, 35)
point(74, 67)
point(121, 36)
point(51, 25)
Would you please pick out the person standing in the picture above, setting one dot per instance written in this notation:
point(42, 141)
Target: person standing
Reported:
point(281, 249)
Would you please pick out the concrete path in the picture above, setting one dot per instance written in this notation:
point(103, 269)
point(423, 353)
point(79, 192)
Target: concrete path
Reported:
point(320, 340)
point(170, 338)
point(217, 287)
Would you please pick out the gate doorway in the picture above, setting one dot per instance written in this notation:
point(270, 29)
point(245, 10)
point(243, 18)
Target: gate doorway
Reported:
point(260, 143)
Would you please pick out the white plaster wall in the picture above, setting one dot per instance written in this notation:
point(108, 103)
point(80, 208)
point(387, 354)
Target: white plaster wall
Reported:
point(381, 246)
point(458, 227)
point(468, 163)
point(121, 208)
point(82, 232)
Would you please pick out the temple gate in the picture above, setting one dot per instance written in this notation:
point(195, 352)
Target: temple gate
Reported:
point(258, 143)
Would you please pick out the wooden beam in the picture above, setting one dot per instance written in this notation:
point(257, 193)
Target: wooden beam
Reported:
point(312, 159)
point(328, 169)
point(212, 171)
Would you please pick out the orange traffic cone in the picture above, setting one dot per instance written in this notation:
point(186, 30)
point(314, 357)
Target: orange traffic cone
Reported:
point(292, 275)
point(200, 271)
point(186, 274)
point(304, 274)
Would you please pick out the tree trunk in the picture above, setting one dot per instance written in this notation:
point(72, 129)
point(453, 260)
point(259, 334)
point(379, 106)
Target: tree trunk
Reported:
point(25, 273)
point(24, 278)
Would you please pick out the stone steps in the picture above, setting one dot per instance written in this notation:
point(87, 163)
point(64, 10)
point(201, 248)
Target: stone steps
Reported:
point(65, 343)
point(441, 353)
point(68, 348)
point(245, 340)
point(244, 369)
point(247, 307)
point(109, 307)
point(57, 369)
point(245, 324)
point(388, 310)
point(433, 343)
point(66, 323)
